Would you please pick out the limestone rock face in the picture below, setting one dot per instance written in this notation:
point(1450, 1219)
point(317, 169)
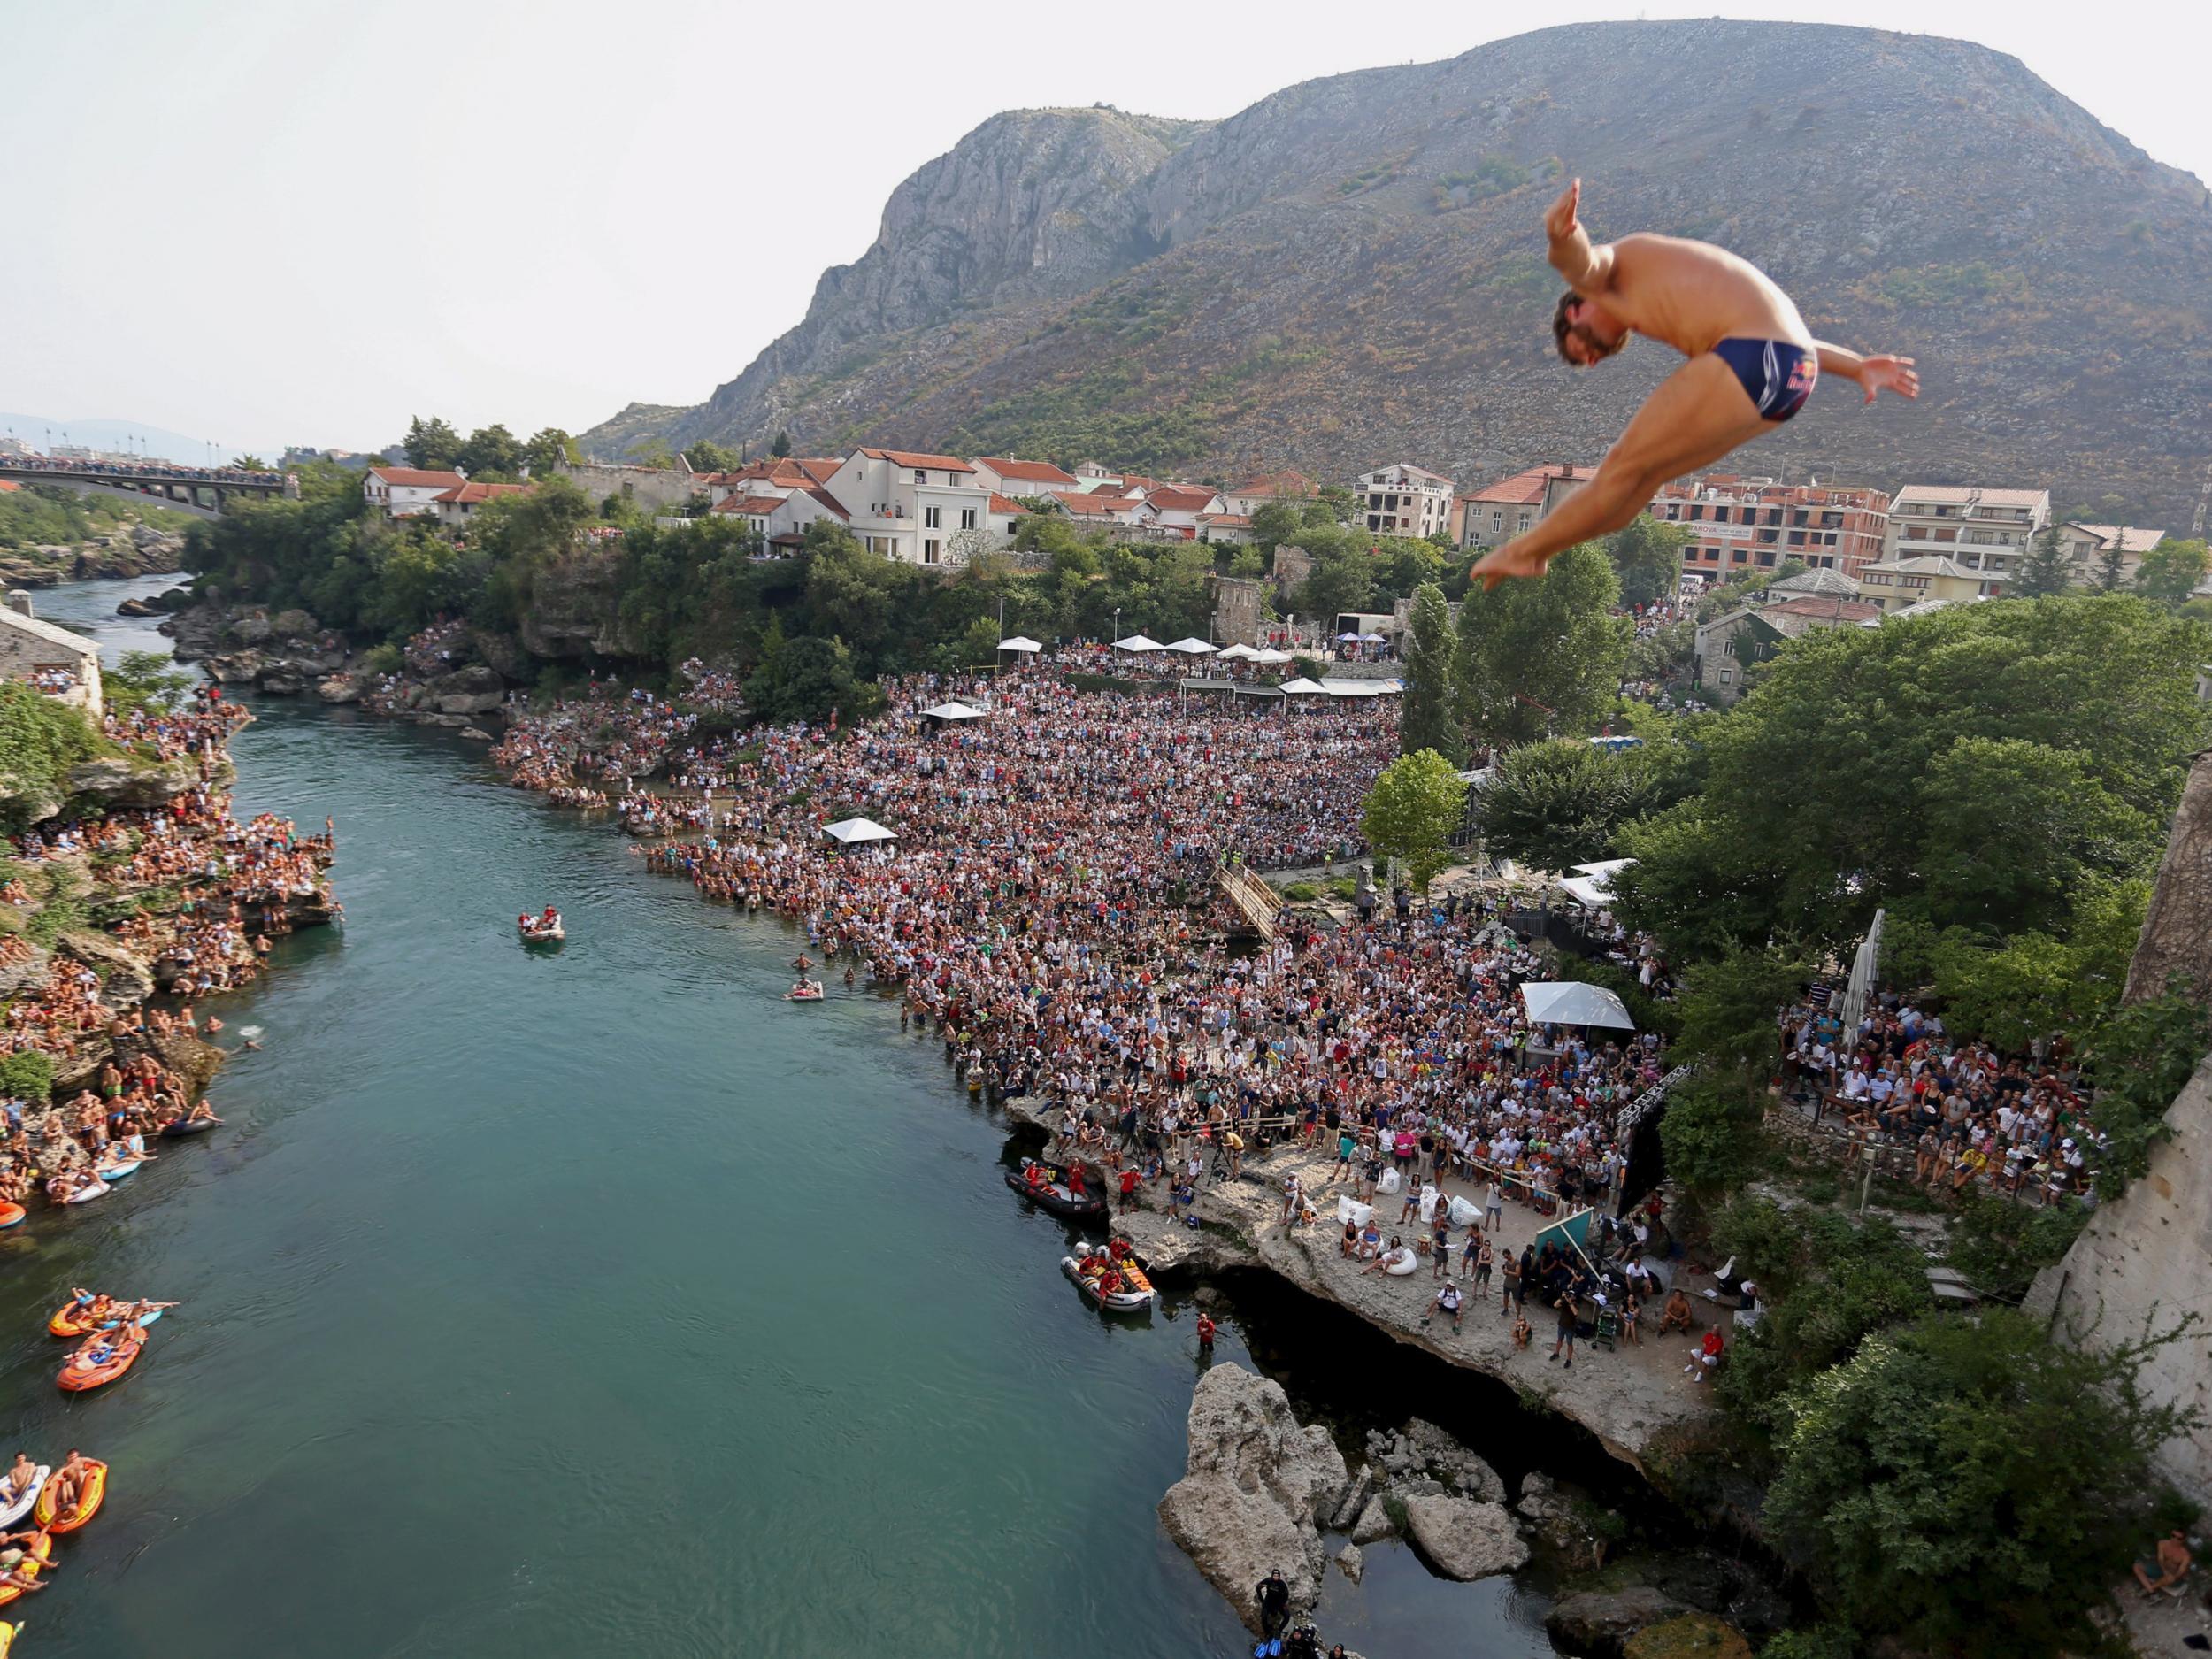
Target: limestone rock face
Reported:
point(1463, 1539)
point(124, 782)
point(1600, 1625)
point(1257, 1484)
point(340, 689)
point(1353, 1564)
point(1444, 1459)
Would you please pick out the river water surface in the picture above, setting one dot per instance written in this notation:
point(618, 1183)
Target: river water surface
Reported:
point(600, 1302)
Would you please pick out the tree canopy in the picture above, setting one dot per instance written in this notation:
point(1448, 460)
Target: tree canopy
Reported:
point(1544, 658)
point(1554, 805)
point(430, 443)
point(1428, 718)
point(1412, 811)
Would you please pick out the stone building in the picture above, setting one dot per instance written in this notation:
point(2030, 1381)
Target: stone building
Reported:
point(63, 665)
point(1239, 609)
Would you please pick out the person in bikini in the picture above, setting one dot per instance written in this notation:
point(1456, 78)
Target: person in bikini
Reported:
point(1752, 364)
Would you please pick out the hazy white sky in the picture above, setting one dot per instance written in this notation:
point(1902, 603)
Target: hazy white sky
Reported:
point(298, 220)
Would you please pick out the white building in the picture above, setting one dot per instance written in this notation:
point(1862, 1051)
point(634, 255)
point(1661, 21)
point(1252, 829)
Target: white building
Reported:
point(1987, 531)
point(51, 660)
point(1011, 477)
point(2085, 546)
point(782, 520)
point(1405, 500)
point(924, 509)
point(401, 492)
point(456, 508)
point(1180, 507)
point(1255, 493)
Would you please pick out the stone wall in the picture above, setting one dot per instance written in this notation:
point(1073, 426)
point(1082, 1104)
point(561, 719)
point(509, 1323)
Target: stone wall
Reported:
point(657, 487)
point(1236, 608)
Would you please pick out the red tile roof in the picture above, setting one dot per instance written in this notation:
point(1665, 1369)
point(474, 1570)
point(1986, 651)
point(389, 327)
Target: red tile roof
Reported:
point(820, 468)
point(751, 506)
point(469, 495)
point(931, 462)
point(1823, 609)
point(1026, 472)
point(829, 501)
point(418, 477)
point(1286, 483)
point(1523, 487)
point(1180, 498)
point(1232, 518)
point(999, 503)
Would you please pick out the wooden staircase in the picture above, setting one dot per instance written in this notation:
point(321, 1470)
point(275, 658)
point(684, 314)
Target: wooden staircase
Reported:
point(1253, 900)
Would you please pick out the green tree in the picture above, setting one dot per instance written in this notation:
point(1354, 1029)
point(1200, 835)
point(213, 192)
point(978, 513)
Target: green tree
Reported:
point(27, 1076)
point(1412, 810)
point(1556, 804)
point(2171, 570)
point(1710, 1138)
point(1729, 1004)
point(249, 462)
point(1539, 658)
point(1428, 718)
point(1648, 557)
point(2111, 572)
point(2046, 569)
point(652, 452)
point(550, 449)
point(808, 679)
point(706, 455)
point(147, 678)
point(1342, 581)
point(491, 452)
point(1971, 1487)
point(779, 446)
point(40, 740)
point(430, 443)
point(1866, 726)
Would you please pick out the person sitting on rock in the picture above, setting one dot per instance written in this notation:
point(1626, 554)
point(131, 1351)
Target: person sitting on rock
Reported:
point(1676, 1315)
point(1448, 1301)
point(1522, 1335)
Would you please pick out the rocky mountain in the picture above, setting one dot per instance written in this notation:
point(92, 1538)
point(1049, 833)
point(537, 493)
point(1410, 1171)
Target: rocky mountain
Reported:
point(1351, 271)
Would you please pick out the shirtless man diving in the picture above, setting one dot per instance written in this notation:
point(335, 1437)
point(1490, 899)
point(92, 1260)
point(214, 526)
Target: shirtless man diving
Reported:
point(1752, 364)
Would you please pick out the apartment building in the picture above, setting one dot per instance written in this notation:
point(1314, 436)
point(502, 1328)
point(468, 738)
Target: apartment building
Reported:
point(923, 509)
point(1742, 526)
point(1405, 500)
point(1985, 532)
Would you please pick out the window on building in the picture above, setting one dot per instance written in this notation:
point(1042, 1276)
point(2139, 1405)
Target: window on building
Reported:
point(1740, 556)
point(1727, 676)
point(929, 518)
point(1766, 557)
point(967, 518)
point(929, 551)
point(1696, 514)
point(1728, 648)
point(920, 476)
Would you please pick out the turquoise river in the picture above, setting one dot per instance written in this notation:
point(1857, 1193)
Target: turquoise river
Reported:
point(600, 1302)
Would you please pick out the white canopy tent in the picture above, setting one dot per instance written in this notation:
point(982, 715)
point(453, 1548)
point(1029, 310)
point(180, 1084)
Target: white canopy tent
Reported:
point(1192, 648)
point(1138, 643)
point(1362, 687)
point(853, 831)
point(1569, 1002)
point(1269, 654)
point(1020, 643)
point(954, 711)
point(1593, 888)
point(1238, 654)
point(1302, 688)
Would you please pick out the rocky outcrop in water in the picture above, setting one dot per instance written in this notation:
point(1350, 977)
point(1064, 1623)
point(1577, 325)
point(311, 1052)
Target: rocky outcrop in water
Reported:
point(1257, 1488)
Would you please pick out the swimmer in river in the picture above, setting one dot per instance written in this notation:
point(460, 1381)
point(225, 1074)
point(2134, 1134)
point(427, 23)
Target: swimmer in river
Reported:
point(1752, 364)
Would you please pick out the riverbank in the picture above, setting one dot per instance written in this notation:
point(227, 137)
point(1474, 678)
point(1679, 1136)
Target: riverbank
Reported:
point(1634, 1398)
point(136, 888)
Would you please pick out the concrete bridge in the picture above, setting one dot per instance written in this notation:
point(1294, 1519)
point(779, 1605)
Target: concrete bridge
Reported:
point(208, 491)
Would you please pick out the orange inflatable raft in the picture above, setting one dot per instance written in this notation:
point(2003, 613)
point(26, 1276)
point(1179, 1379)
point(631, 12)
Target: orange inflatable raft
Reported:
point(96, 1489)
point(77, 1377)
point(40, 1553)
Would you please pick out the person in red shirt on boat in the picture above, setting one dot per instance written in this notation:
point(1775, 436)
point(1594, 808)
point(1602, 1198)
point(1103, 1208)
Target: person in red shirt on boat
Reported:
point(1075, 1181)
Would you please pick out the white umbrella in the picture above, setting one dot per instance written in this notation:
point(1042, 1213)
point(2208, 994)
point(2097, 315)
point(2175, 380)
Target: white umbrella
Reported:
point(1302, 687)
point(1137, 642)
point(853, 830)
point(1240, 653)
point(1569, 1002)
point(1271, 655)
point(1192, 648)
point(952, 711)
point(1019, 643)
